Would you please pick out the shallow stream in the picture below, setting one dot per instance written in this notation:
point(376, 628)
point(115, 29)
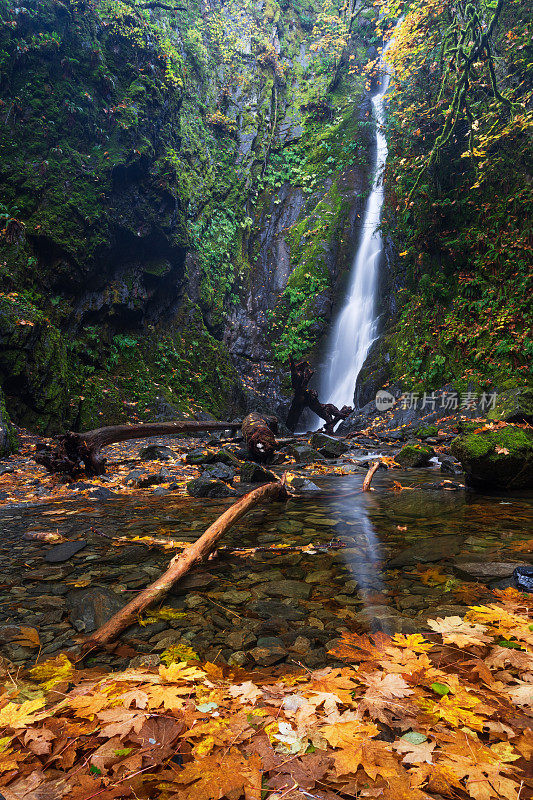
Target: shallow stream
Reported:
point(324, 565)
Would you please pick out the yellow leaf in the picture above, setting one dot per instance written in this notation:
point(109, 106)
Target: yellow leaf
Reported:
point(16, 715)
point(52, 671)
point(181, 672)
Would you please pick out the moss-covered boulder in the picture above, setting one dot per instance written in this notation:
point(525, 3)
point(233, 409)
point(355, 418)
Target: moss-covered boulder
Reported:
point(497, 459)
point(414, 455)
point(426, 431)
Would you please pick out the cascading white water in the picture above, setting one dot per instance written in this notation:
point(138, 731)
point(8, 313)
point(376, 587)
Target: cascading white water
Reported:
point(354, 329)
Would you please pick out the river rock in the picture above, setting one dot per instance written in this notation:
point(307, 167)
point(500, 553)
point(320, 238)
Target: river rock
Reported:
point(302, 485)
point(102, 493)
point(238, 659)
point(328, 446)
point(62, 552)
point(254, 473)
point(303, 454)
point(523, 578)
point(146, 660)
point(219, 470)
point(449, 465)
point(272, 609)
point(209, 487)
point(268, 656)
point(428, 550)
point(497, 459)
point(156, 452)
point(287, 588)
point(155, 479)
point(238, 640)
point(486, 570)
point(200, 456)
point(414, 455)
point(91, 608)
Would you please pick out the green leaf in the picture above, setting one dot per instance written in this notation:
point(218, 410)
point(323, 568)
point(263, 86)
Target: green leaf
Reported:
point(414, 737)
point(124, 752)
point(94, 770)
point(509, 644)
point(440, 688)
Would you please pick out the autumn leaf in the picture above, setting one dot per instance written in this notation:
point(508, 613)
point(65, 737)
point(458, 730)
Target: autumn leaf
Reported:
point(219, 775)
point(15, 715)
point(455, 631)
point(179, 671)
point(415, 753)
point(247, 692)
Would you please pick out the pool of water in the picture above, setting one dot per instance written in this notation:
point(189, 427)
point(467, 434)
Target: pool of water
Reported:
point(338, 561)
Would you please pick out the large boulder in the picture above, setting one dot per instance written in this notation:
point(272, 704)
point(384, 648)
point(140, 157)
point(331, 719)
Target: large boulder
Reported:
point(414, 455)
point(497, 459)
point(209, 487)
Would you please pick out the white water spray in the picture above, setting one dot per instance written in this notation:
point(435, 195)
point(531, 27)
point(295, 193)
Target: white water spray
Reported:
point(355, 327)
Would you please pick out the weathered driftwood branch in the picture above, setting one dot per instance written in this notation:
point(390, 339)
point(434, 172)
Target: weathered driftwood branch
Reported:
point(183, 562)
point(369, 475)
point(304, 397)
point(73, 450)
point(259, 434)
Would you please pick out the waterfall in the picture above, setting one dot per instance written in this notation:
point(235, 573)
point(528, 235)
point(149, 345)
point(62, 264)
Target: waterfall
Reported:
point(354, 329)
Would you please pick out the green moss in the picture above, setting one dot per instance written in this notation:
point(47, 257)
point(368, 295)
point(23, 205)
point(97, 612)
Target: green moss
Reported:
point(413, 455)
point(426, 431)
point(502, 458)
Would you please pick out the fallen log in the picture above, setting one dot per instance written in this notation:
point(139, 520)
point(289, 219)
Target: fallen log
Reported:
point(74, 451)
point(259, 434)
point(183, 562)
point(369, 475)
point(304, 397)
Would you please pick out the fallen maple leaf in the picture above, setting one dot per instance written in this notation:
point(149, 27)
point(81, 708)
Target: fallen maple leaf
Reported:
point(455, 631)
point(15, 715)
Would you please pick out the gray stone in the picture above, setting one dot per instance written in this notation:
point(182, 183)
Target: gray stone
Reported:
point(254, 473)
point(157, 452)
point(209, 487)
point(238, 640)
point(238, 659)
point(329, 446)
point(132, 478)
point(301, 645)
point(272, 609)
point(64, 551)
point(154, 480)
point(91, 608)
point(449, 465)
point(235, 598)
point(103, 493)
point(219, 470)
point(497, 459)
point(303, 454)
point(287, 588)
point(303, 485)
point(268, 656)
point(486, 570)
point(200, 456)
point(428, 550)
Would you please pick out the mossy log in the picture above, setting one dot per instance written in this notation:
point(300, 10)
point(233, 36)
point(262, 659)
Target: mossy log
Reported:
point(75, 451)
point(304, 397)
point(259, 434)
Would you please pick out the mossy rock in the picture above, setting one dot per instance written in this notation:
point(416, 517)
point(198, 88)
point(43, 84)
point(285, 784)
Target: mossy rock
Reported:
point(414, 455)
point(499, 459)
point(426, 431)
point(8, 440)
point(514, 405)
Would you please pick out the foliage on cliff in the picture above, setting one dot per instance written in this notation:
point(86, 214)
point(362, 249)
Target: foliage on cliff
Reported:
point(459, 192)
point(448, 715)
point(139, 142)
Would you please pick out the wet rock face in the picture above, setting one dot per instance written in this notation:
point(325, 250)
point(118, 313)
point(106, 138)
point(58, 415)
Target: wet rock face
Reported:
point(500, 459)
point(7, 434)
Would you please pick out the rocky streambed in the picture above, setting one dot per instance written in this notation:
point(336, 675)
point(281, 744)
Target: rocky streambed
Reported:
point(321, 564)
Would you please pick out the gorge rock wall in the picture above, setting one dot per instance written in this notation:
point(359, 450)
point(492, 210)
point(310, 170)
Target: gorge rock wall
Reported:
point(180, 195)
